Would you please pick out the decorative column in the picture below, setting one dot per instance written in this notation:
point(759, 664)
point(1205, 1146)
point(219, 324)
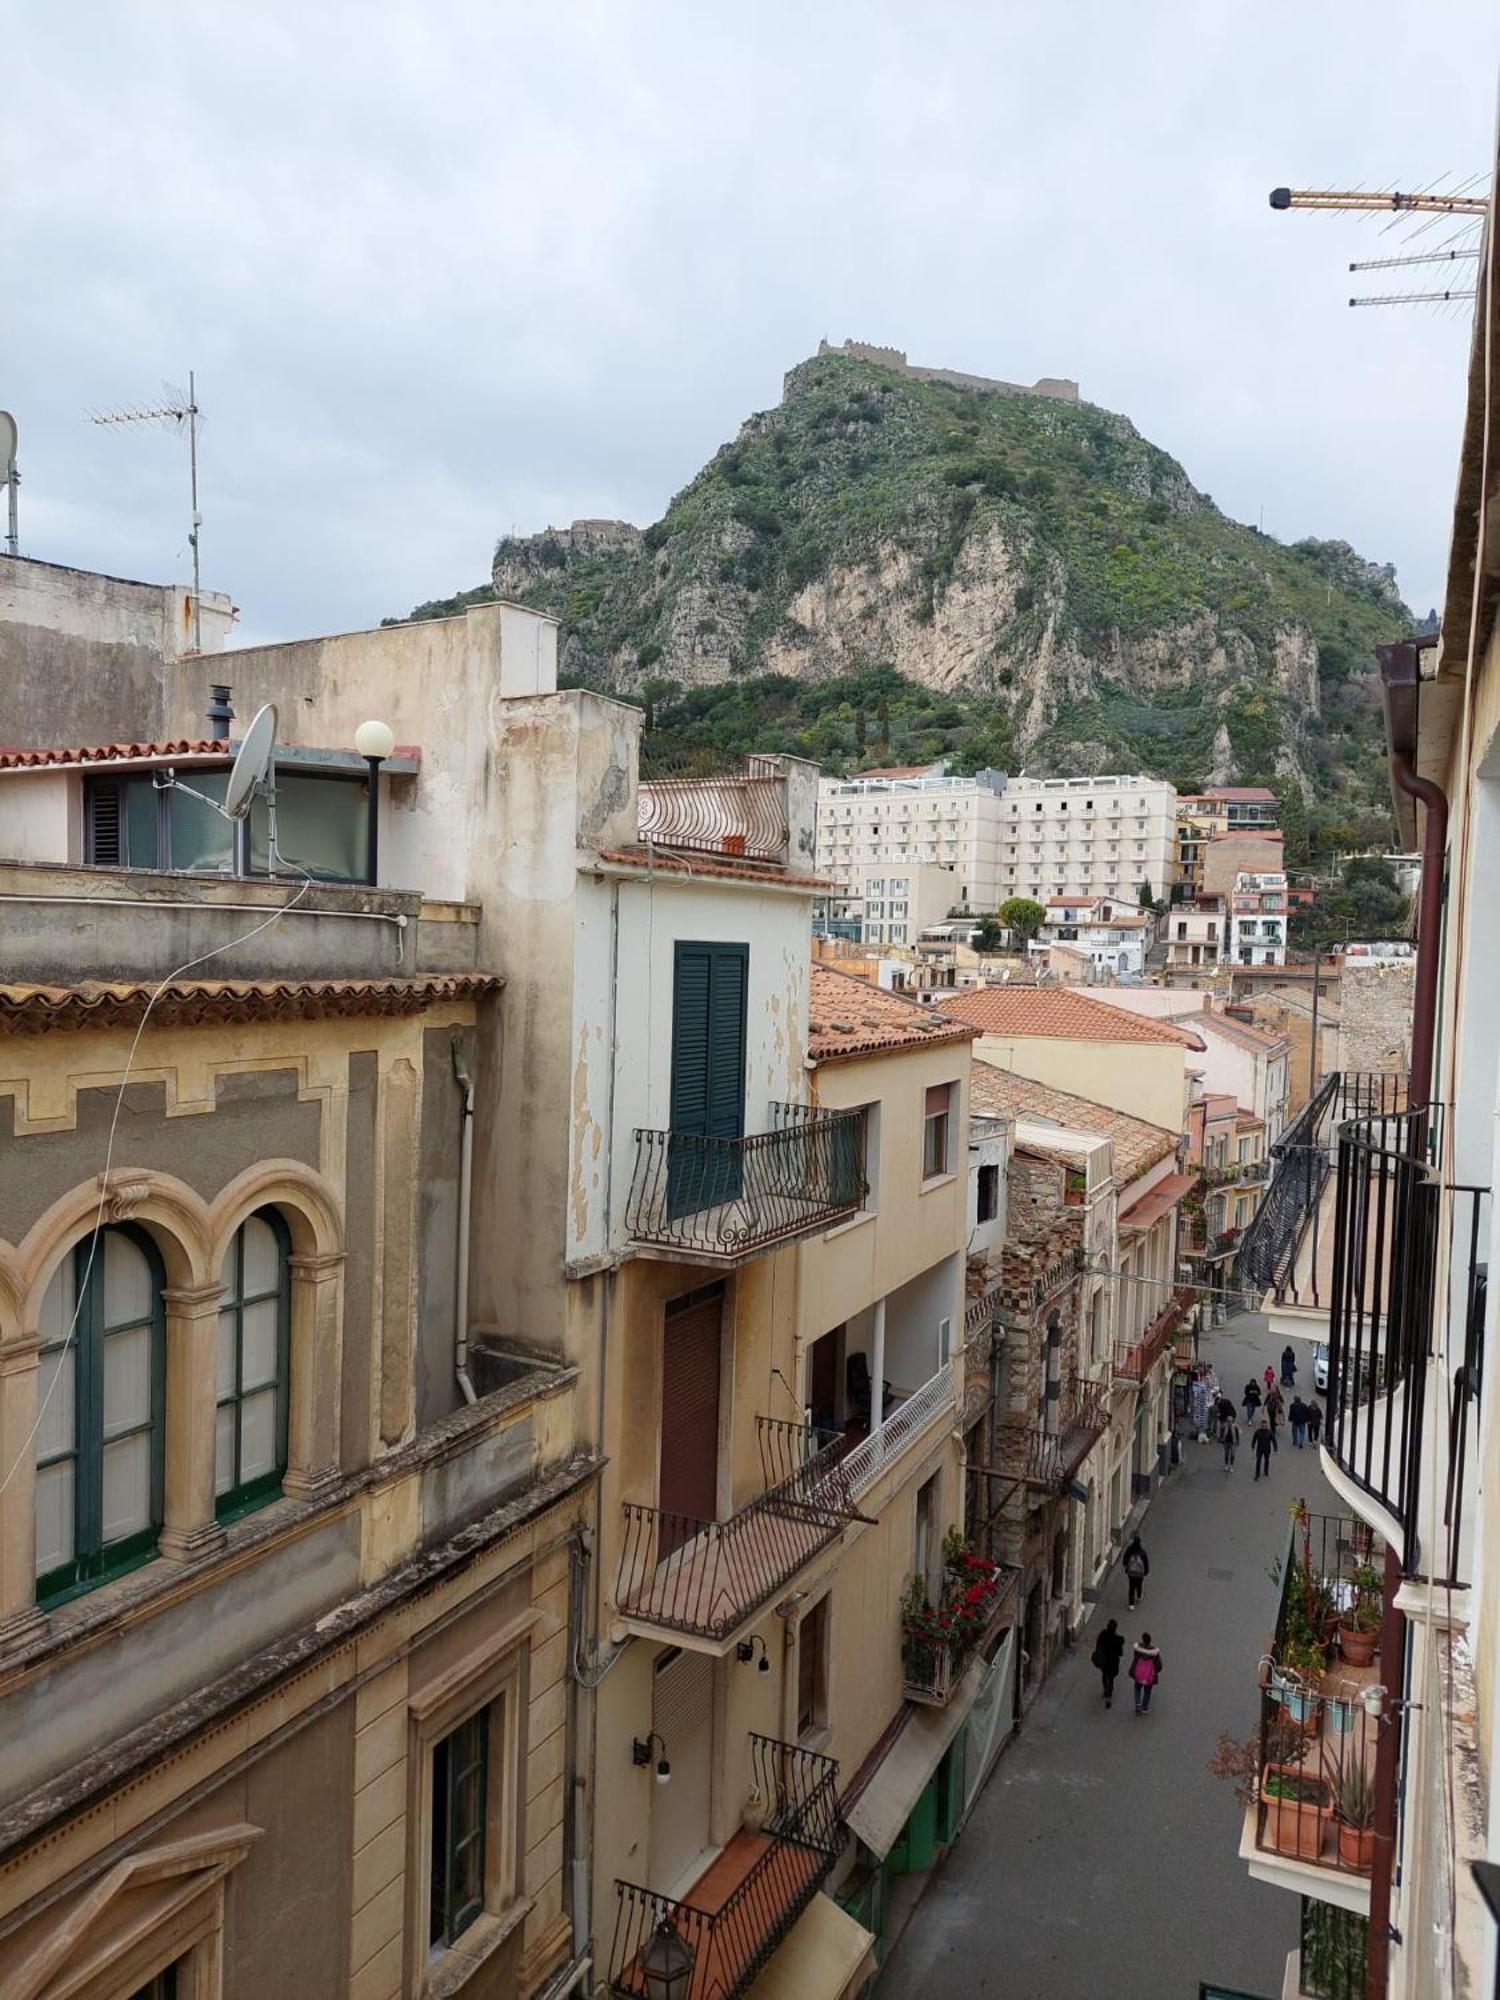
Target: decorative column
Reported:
point(189, 1525)
point(312, 1459)
point(877, 1368)
point(18, 1397)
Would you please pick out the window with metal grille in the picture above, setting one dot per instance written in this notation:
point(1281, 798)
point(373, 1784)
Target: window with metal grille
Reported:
point(460, 1767)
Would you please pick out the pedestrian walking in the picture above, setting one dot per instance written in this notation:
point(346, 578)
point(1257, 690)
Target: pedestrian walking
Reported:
point(1288, 1365)
point(1108, 1649)
point(1226, 1413)
point(1263, 1443)
point(1137, 1569)
point(1314, 1420)
point(1251, 1400)
point(1145, 1671)
point(1229, 1433)
point(1296, 1416)
point(1275, 1409)
point(1268, 1376)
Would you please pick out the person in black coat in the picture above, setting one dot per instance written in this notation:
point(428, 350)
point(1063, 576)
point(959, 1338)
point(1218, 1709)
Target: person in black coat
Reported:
point(1137, 1569)
point(1251, 1400)
point(1108, 1649)
point(1263, 1442)
point(1314, 1419)
point(1288, 1365)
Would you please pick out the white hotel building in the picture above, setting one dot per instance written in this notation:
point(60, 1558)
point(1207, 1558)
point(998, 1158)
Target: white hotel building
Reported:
point(913, 817)
point(1088, 837)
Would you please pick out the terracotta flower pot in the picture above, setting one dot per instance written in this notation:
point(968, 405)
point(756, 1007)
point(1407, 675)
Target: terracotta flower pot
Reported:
point(1358, 1648)
point(1357, 1847)
point(1295, 1826)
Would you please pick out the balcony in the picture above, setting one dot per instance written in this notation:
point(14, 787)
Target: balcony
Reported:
point(704, 1579)
point(1307, 1775)
point(744, 816)
point(720, 1201)
point(857, 1471)
point(1135, 1359)
point(723, 1932)
point(1391, 1218)
point(1047, 1458)
point(1236, 1173)
point(978, 1597)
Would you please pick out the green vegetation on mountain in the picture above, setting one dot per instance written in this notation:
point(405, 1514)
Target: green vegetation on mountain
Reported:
point(884, 569)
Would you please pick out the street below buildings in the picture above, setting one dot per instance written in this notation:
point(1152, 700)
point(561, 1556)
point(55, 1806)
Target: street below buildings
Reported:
point(1102, 1858)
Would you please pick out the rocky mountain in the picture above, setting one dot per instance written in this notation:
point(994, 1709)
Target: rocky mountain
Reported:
point(1009, 563)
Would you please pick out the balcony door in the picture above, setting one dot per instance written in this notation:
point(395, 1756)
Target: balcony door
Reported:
point(710, 987)
point(692, 1353)
point(682, 1708)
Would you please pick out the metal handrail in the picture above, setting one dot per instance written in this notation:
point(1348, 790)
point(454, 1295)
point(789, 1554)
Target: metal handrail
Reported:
point(1048, 1457)
point(911, 1419)
point(727, 1197)
point(707, 1577)
point(804, 1832)
point(740, 816)
point(929, 1674)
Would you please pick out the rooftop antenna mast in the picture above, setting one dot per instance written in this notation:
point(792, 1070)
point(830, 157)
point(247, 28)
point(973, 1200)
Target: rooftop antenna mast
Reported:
point(10, 479)
point(179, 413)
point(1467, 204)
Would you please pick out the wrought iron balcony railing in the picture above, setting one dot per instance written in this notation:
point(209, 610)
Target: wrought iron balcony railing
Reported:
point(1236, 1173)
point(706, 1578)
point(719, 1951)
point(932, 1668)
point(1389, 1260)
point(859, 1469)
point(1046, 1457)
point(1135, 1359)
point(744, 815)
point(725, 1199)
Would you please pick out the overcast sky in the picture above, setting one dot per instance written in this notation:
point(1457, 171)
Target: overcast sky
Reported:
point(447, 269)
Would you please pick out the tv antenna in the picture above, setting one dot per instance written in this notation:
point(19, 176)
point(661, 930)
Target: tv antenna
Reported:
point(177, 413)
point(1466, 204)
point(10, 478)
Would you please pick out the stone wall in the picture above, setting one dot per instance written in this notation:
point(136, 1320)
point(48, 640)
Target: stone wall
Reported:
point(1059, 387)
point(1375, 1015)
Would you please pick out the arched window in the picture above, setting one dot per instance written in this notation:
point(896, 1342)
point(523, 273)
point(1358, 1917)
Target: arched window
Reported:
point(99, 1434)
point(254, 1358)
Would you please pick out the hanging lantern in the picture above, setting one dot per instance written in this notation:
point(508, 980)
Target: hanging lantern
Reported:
point(667, 1964)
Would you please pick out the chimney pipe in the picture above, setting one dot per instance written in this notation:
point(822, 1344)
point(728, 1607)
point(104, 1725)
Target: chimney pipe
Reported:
point(220, 714)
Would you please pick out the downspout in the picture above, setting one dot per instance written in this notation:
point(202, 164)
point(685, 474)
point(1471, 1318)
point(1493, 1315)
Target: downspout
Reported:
point(1404, 775)
point(465, 1205)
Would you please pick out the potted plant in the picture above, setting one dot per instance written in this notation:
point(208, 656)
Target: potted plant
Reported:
point(1359, 1624)
point(1075, 1188)
point(753, 1816)
point(1297, 1809)
point(1297, 1674)
point(1356, 1817)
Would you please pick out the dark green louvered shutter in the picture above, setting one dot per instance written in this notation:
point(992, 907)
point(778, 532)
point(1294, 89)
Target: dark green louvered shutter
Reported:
point(709, 993)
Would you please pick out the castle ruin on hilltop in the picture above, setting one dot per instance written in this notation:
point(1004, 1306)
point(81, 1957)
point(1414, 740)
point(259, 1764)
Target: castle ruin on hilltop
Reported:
point(1056, 386)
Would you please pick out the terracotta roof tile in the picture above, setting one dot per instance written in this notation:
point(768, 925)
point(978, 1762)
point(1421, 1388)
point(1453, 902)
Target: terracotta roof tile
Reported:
point(1137, 1143)
point(850, 1017)
point(111, 753)
point(1155, 1202)
point(93, 1004)
point(1058, 1013)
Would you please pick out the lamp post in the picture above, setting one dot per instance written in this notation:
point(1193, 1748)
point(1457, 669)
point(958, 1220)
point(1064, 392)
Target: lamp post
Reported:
point(374, 741)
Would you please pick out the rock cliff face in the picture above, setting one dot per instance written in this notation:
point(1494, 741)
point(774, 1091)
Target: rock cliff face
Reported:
point(1034, 557)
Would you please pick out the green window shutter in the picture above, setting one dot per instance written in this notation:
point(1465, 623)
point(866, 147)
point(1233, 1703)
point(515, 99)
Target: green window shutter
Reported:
point(710, 990)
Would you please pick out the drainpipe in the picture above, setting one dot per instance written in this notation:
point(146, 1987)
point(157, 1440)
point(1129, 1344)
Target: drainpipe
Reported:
point(465, 1204)
point(1401, 672)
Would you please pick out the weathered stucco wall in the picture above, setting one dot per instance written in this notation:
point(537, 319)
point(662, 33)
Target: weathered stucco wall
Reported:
point(1375, 1009)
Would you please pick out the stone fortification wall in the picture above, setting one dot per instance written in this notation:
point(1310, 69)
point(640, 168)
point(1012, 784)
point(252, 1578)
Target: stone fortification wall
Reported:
point(1058, 387)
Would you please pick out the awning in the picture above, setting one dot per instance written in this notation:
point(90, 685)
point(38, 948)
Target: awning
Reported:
point(885, 1804)
point(822, 1957)
point(1155, 1202)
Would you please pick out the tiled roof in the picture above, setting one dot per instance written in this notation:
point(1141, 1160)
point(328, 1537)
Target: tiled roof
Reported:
point(1074, 902)
point(1155, 1202)
point(1137, 1144)
point(850, 1017)
point(1060, 1014)
point(1236, 794)
point(718, 866)
point(35, 1009)
point(112, 753)
point(1241, 1031)
point(894, 771)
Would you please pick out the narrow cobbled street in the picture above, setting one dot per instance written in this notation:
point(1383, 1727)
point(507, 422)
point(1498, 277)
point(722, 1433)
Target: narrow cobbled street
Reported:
point(1101, 1861)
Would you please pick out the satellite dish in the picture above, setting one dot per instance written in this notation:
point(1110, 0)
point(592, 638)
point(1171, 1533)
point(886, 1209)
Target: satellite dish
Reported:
point(252, 766)
point(8, 437)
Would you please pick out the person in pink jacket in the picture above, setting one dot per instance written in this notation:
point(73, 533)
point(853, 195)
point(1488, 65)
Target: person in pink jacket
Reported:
point(1145, 1671)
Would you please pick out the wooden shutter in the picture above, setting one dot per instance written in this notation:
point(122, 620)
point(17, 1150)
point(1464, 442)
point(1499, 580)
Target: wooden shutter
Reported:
point(689, 1448)
point(709, 994)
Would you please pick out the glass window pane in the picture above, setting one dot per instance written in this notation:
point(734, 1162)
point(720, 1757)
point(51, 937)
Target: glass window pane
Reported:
point(56, 1315)
point(54, 1518)
point(224, 1382)
point(127, 1487)
point(200, 837)
point(224, 1420)
point(140, 823)
point(127, 1380)
point(262, 1257)
point(258, 1435)
point(127, 1280)
point(258, 1343)
point(320, 826)
point(54, 1401)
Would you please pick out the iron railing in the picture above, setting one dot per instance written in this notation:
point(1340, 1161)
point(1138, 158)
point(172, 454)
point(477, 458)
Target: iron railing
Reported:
point(1314, 1783)
point(1236, 1172)
point(743, 816)
point(727, 1198)
point(931, 1669)
point(724, 1948)
point(863, 1464)
point(1389, 1256)
point(1047, 1456)
point(1134, 1359)
point(707, 1577)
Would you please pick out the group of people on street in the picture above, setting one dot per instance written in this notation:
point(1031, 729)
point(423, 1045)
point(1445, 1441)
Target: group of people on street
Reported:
point(1109, 1647)
point(1265, 1410)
